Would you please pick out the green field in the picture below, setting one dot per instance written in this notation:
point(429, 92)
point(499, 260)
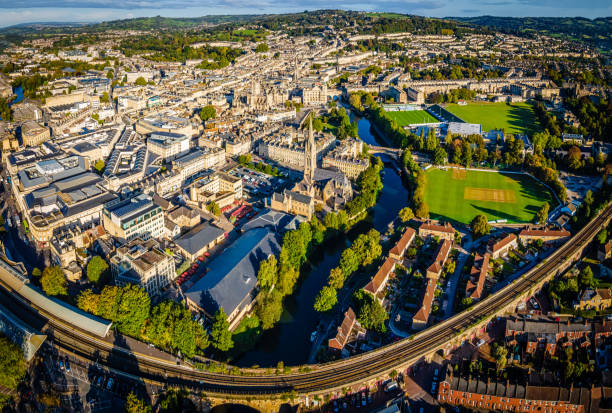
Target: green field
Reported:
point(408, 117)
point(459, 195)
point(513, 118)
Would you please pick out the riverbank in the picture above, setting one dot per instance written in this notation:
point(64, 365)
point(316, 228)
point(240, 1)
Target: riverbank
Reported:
point(289, 341)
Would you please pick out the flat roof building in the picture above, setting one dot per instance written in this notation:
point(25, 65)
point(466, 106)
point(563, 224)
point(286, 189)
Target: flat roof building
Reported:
point(143, 263)
point(135, 217)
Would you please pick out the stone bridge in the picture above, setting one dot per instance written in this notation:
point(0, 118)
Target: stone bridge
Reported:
point(392, 152)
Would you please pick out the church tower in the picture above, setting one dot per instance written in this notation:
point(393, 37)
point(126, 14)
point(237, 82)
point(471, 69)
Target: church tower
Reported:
point(311, 153)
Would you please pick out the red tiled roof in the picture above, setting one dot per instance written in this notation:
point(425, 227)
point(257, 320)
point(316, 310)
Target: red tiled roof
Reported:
point(403, 242)
point(503, 242)
point(381, 276)
point(448, 228)
point(344, 330)
point(545, 233)
point(478, 275)
point(440, 257)
point(423, 314)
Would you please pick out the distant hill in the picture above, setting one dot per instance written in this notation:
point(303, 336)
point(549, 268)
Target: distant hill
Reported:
point(139, 23)
point(168, 23)
point(597, 32)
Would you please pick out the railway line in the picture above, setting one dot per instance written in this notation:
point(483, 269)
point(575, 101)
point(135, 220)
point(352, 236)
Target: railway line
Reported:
point(321, 377)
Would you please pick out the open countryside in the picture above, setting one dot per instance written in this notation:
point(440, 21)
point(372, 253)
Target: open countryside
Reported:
point(459, 195)
point(512, 118)
point(411, 117)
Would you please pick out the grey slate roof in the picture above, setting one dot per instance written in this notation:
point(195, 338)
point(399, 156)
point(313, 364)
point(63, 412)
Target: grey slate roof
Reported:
point(197, 238)
point(232, 279)
point(275, 220)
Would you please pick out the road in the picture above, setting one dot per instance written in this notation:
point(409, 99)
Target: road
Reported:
point(451, 292)
point(318, 378)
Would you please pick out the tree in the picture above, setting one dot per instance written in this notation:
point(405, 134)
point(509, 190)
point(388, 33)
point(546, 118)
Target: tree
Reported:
point(336, 278)
point(269, 309)
point(448, 139)
point(573, 157)
point(220, 335)
point(542, 214)
point(406, 214)
point(99, 166)
point(176, 401)
point(213, 208)
point(12, 363)
point(586, 278)
point(467, 154)
point(88, 301)
point(36, 272)
point(500, 354)
point(133, 309)
point(349, 262)
point(326, 299)
point(422, 210)
point(268, 273)
point(480, 226)
point(97, 269)
point(262, 48)
point(136, 405)
point(140, 81)
point(439, 156)
point(602, 237)
point(171, 327)
point(208, 112)
point(53, 281)
point(105, 98)
point(287, 277)
point(372, 316)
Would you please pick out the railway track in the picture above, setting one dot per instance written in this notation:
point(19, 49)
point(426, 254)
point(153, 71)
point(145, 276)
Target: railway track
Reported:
point(322, 377)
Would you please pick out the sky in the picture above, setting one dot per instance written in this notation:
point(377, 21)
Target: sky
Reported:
point(24, 11)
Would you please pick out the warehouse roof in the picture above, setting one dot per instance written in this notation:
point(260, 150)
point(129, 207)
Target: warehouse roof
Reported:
point(232, 278)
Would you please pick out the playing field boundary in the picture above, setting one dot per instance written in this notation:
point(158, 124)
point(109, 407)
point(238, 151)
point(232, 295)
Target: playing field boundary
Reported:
point(506, 172)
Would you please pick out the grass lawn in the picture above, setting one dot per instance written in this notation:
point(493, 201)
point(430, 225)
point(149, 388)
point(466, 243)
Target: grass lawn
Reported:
point(245, 335)
point(513, 118)
point(459, 195)
point(408, 117)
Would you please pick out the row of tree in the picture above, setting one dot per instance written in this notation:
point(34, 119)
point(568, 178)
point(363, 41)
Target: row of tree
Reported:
point(363, 252)
point(369, 185)
point(417, 180)
point(340, 122)
point(168, 325)
point(277, 276)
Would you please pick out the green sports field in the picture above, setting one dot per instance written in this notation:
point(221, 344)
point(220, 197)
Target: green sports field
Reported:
point(513, 118)
point(459, 195)
point(409, 117)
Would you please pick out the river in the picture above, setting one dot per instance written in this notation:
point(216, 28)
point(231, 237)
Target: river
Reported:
point(289, 341)
point(18, 92)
